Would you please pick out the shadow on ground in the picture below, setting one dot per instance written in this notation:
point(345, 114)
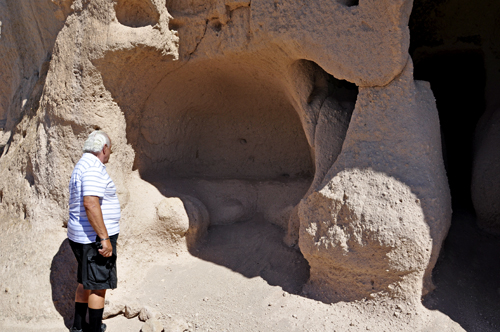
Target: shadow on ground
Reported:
point(255, 248)
point(467, 276)
point(63, 282)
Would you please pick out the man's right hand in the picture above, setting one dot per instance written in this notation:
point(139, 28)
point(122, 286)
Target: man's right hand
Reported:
point(107, 249)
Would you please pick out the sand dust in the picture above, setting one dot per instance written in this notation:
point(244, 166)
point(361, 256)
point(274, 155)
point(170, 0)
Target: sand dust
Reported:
point(244, 279)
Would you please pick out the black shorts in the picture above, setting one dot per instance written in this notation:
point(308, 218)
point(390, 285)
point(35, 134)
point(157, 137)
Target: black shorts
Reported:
point(95, 271)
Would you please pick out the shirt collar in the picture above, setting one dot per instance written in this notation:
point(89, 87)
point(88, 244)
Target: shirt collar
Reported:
point(93, 156)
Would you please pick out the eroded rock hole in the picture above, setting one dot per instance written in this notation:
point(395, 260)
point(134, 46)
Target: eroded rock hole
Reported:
point(136, 13)
point(216, 25)
point(29, 176)
point(455, 46)
point(24, 213)
point(349, 3)
point(175, 24)
point(460, 102)
point(452, 59)
point(239, 126)
point(226, 133)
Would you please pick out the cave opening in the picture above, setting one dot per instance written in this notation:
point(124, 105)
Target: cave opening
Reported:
point(133, 13)
point(455, 46)
point(226, 133)
point(230, 132)
point(458, 82)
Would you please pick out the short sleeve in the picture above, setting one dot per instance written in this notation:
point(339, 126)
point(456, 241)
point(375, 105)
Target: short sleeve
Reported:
point(93, 182)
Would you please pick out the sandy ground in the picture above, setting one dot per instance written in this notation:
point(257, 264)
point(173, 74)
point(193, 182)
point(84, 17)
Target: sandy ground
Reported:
point(467, 276)
point(242, 278)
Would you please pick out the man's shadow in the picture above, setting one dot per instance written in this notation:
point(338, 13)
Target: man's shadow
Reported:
point(63, 282)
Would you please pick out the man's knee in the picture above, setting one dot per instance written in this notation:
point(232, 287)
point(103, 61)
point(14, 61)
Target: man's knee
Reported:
point(81, 294)
point(98, 292)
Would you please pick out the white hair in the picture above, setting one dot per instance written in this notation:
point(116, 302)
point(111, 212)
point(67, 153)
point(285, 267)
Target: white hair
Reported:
point(96, 142)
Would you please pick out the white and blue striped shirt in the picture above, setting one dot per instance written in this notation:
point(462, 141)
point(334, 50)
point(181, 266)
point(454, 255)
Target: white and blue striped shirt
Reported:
point(89, 178)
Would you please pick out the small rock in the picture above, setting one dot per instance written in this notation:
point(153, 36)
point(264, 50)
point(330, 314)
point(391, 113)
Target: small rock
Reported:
point(396, 314)
point(294, 316)
point(176, 325)
point(132, 310)
point(112, 309)
point(148, 313)
point(152, 325)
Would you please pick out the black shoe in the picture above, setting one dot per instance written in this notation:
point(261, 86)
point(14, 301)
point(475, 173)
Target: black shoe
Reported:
point(73, 329)
point(86, 328)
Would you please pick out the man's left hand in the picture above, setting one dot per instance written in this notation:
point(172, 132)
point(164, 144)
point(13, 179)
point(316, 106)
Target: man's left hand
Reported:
point(107, 249)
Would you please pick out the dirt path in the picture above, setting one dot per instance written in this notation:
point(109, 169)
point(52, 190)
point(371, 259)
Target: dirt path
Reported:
point(245, 280)
point(467, 276)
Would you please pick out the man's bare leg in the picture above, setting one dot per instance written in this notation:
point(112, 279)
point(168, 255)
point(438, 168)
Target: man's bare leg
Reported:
point(96, 309)
point(96, 298)
point(82, 295)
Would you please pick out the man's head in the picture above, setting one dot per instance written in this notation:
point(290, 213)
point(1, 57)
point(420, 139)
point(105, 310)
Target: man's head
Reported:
point(99, 144)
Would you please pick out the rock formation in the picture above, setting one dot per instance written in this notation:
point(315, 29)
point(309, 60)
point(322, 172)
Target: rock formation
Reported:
point(303, 111)
point(455, 45)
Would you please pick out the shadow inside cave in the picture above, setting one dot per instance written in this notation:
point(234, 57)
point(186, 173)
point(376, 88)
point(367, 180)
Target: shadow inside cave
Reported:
point(466, 275)
point(63, 282)
point(254, 248)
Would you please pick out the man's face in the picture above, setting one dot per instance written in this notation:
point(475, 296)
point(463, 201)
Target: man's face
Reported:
point(107, 152)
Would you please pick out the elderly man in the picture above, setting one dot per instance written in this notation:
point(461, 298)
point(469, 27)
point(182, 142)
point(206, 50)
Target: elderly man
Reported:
point(93, 227)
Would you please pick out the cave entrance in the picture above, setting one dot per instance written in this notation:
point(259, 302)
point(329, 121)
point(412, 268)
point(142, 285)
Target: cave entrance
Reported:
point(458, 82)
point(229, 132)
point(226, 133)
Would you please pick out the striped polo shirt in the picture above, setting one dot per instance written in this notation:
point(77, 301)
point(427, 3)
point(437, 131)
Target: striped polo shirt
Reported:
point(89, 178)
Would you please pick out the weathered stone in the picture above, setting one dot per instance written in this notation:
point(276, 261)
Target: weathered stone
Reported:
point(176, 325)
point(148, 313)
point(112, 309)
point(376, 223)
point(152, 325)
point(132, 310)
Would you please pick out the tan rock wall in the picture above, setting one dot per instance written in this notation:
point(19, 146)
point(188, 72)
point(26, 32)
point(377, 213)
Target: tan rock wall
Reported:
point(377, 221)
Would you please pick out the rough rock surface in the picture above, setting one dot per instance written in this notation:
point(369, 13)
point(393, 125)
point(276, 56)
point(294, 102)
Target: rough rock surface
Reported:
point(152, 325)
point(376, 223)
point(245, 102)
point(441, 31)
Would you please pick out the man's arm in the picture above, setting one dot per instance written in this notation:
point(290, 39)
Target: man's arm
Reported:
point(94, 214)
